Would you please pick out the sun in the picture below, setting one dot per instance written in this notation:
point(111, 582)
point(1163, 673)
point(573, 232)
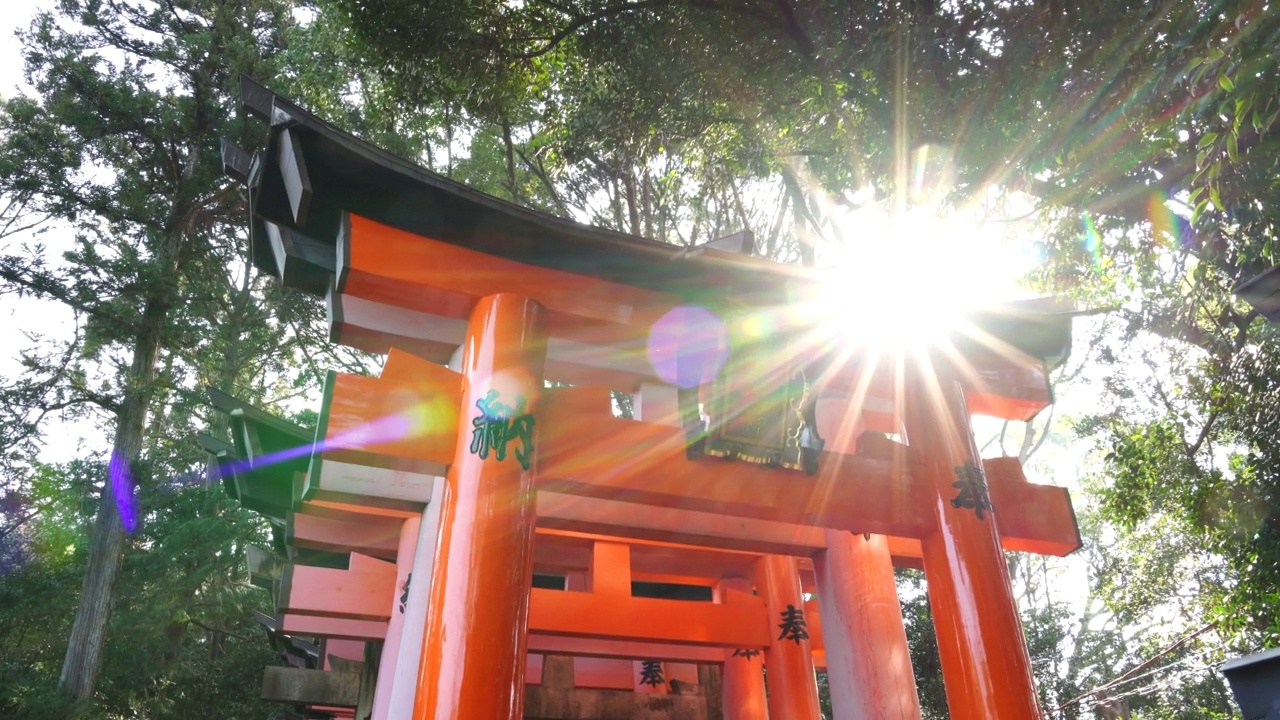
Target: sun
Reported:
point(906, 283)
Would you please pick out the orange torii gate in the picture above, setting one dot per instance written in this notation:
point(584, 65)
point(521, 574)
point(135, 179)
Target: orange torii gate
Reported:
point(718, 367)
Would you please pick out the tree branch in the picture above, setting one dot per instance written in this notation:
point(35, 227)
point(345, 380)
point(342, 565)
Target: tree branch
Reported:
point(585, 20)
point(541, 173)
point(210, 628)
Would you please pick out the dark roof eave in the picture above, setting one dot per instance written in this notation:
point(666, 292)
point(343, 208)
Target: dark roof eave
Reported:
point(1263, 293)
point(719, 279)
point(616, 256)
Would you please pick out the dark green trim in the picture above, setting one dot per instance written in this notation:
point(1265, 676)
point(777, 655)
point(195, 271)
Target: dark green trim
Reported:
point(322, 430)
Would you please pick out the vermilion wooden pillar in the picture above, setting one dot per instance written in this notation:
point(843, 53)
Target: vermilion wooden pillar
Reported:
point(382, 691)
point(404, 683)
point(742, 683)
point(473, 657)
point(789, 675)
point(980, 642)
point(868, 662)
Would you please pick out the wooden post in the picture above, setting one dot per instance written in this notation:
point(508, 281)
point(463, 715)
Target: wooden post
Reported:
point(742, 684)
point(473, 658)
point(403, 687)
point(368, 679)
point(868, 662)
point(409, 531)
point(710, 684)
point(557, 672)
point(788, 661)
point(980, 643)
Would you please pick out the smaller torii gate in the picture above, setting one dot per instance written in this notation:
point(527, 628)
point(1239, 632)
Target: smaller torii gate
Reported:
point(452, 481)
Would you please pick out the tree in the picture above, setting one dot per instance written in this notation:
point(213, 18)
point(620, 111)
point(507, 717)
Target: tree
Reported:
point(1017, 92)
point(184, 640)
point(549, 135)
point(121, 146)
point(1190, 369)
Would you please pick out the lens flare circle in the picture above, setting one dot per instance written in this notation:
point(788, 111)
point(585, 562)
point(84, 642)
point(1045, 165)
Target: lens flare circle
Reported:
point(688, 346)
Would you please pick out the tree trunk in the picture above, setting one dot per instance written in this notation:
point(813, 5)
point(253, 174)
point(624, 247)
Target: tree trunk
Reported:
point(106, 545)
point(633, 209)
point(802, 219)
point(509, 147)
point(646, 202)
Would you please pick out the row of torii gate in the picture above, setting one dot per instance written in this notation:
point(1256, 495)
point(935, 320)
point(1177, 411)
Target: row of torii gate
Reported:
point(481, 510)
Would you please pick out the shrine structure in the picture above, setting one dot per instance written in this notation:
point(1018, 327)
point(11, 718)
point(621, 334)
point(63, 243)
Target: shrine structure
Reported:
point(601, 476)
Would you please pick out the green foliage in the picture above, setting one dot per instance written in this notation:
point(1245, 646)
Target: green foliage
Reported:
point(123, 150)
point(185, 614)
point(1207, 529)
point(120, 146)
point(183, 641)
point(594, 128)
point(1019, 93)
point(39, 591)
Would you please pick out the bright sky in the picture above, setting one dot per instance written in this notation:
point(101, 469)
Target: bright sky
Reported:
point(17, 14)
point(23, 316)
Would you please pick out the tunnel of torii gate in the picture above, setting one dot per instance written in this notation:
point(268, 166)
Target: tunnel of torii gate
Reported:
point(480, 531)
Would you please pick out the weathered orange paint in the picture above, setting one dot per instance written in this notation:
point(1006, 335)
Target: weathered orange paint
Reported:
point(374, 535)
point(868, 662)
point(604, 673)
point(619, 519)
point(789, 672)
point(557, 551)
point(361, 563)
point(330, 627)
point(621, 649)
point(611, 569)
point(384, 264)
point(387, 265)
point(345, 649)
point(612, 518)
point(361, 592)
point(473, 657)
point(904, 551)
point(742, 682)
point(1009, 388)
point(980, 641)
point(637, 619)
point(1006, 385)
point(409, 413)
point(586, 451)
point(814, 617)
point(1037, 518)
